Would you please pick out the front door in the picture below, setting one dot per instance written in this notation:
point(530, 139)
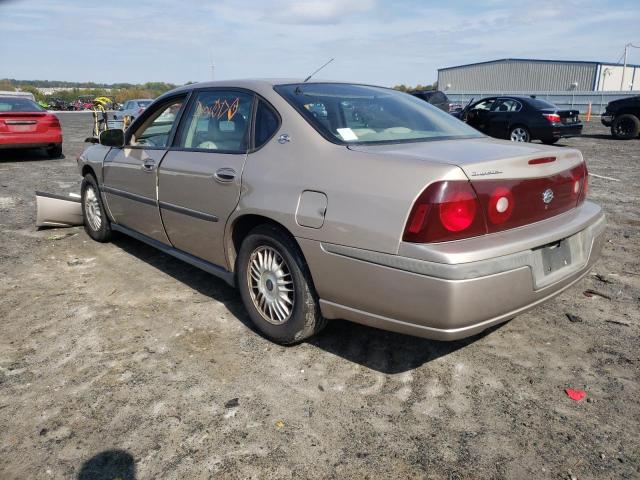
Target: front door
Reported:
point(478, 116)
point(199, 178)
point(130, 173)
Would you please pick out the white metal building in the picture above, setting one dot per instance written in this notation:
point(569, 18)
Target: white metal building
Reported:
point(527, 75)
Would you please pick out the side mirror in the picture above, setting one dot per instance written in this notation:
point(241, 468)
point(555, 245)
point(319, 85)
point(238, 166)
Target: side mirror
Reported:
point(113, 137)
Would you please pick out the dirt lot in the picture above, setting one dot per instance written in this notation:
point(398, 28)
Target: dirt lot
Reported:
point(117, 361)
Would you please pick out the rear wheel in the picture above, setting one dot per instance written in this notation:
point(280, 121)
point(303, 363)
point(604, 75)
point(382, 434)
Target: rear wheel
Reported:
point(96, 223)
point(55, 151)
point(276, 287)
point(550, 141)
point(519, 134)
point(625, 127)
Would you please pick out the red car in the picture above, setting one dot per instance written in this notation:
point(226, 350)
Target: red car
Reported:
point(25, 124)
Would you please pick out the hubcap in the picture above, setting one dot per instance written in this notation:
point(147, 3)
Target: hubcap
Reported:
point(519, 135)
point(271, 285)
point(92, 209)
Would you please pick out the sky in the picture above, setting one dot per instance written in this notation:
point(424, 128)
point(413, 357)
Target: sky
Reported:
point(384, 42)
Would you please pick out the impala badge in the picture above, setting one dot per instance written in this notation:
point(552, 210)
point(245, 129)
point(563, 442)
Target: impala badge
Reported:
point(547, 196)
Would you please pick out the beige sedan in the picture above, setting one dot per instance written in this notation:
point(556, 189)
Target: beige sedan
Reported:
point(342, 201)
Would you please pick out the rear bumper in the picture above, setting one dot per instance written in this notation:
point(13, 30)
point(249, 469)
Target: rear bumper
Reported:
point(30, 140)
point(452, 299)
point(563, 131)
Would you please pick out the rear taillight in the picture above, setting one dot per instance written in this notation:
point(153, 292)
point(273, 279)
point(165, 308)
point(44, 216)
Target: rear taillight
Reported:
point(140, 110)
point(552, 117)
point(445, 211)
point(459, 209)
point(52, 121)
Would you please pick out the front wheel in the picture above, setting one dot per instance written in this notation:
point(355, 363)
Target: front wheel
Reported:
point(276, 287)
point(625, 127)
point(96, 223)
point(519, 134)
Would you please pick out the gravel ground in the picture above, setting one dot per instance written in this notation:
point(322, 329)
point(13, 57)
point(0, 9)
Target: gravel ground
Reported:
point(117, 361)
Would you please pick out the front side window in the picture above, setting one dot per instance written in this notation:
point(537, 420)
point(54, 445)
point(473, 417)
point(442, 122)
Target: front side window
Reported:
point(218, 121)
point(155, 130)
point(346, 113)
point(485, 104)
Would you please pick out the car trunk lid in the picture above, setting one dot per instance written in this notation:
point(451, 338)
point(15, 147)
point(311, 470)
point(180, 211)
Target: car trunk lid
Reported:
point(25, 122)
point(514, 184)
point(484, 158)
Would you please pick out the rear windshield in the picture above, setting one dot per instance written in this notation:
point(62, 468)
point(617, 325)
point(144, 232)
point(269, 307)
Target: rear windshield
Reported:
point(541, 104)
point(144, 103)
point(362, 114)
point(17, 104)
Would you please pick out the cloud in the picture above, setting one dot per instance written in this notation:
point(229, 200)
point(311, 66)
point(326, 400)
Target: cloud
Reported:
point(316, 12)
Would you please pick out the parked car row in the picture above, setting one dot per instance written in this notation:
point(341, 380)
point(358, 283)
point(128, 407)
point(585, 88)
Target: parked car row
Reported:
point(522, 118)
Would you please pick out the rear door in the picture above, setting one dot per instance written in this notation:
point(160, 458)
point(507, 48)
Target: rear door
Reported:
point(130, 173)
point(501, 117)
point(199, 178)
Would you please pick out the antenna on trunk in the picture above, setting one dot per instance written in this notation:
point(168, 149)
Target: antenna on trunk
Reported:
point(305, 80)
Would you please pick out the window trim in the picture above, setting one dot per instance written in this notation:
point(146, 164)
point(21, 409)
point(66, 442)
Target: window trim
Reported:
point(258, 99)
point(162, 101)
point(193, 94)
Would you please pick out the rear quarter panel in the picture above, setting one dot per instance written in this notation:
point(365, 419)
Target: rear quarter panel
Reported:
point(369, 195)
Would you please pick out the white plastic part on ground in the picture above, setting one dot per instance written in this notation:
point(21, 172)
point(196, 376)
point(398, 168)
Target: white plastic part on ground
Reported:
point(57, 210)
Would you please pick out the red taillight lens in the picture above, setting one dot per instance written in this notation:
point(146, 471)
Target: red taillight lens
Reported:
point(585, 183)
point(458, 210)
point(552, 117)
point(445, 211)
point(52, 121)
point(140, 110)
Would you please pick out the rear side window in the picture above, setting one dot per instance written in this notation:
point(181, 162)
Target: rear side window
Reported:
point(217, 121)
point(266, 124)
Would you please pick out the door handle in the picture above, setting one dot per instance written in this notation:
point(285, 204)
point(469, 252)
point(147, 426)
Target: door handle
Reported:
point(225, 175)
point(148, 165)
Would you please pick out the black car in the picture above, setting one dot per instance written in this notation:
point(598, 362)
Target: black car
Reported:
point(436, 98)
point(522, 119)
point(623, 116)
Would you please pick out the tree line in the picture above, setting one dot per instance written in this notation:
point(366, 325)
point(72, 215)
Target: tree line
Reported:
point(120, 92)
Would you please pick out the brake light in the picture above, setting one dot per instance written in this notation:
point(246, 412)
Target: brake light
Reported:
point(552, 117)
point(52, 120)
point(445, 211)
point(454, 210)
point(538, 161)
point(140, 110)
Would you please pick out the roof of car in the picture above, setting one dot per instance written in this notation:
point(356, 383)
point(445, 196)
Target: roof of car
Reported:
point(252, 83)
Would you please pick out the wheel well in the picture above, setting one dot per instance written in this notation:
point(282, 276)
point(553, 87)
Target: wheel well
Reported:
point(241, 228)
point(628, 111)
point(87, 169)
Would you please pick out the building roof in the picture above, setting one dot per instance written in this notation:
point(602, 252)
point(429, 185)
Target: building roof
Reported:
point(534, 60)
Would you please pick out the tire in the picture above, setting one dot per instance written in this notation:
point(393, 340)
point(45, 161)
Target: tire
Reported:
point(55, 151)
point(519, 134)
point(550, 141)
point(625, 127)
point(96, 223)
point(259, 280)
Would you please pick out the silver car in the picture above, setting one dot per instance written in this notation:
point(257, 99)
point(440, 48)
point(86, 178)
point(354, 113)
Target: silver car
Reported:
point(341, 201)
point(132, 108)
